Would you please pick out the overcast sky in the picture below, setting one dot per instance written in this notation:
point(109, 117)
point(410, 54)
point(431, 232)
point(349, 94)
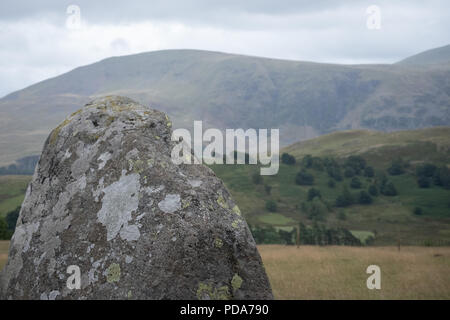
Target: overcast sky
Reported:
point(41, 39)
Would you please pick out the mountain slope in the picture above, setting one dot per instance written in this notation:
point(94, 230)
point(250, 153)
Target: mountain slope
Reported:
point(303, 99)
point(430, 57)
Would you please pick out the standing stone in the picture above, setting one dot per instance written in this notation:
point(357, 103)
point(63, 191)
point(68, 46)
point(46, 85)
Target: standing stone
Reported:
point(106, 197)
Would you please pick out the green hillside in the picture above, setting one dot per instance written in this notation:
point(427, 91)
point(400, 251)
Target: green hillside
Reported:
point(302, 99)
point(416, 215)
point(12, 192)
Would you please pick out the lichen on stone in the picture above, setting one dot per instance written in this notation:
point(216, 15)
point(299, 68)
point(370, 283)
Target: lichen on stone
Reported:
point(206, 291)
point(235, 224)
point(113, 273)
point(236, 282)
point(55, 133)
point(221, 201)
point(170, 203)
point(218, 243)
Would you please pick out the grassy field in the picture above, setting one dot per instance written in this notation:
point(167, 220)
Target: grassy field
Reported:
point(3, 253)
point(313, 272)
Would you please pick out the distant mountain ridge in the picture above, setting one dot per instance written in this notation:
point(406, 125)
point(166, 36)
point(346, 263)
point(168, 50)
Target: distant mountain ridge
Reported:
point(430, 57)
point(302, 99)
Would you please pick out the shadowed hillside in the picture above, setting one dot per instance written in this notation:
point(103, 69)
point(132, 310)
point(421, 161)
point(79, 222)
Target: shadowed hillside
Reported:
point(386, 187)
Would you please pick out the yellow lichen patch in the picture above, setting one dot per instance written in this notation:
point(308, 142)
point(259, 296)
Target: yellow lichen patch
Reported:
point(129, 294)
point(169, 124)
point(75, 113)
point(55, 133)
point(209, 292)
point(185, 203)
point(236, 282)
point(110, 120)
point(218, 243)
point(235, 224)
point(138, 165)
point(221, 201)
point(237, 210)
point(113, 273)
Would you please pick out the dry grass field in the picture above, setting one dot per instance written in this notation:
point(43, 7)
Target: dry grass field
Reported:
point(313, 272)
point(336, 272)
point(3, 253)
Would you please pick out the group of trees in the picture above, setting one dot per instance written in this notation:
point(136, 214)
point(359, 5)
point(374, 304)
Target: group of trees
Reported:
point(353, 168)
point(24, 165)
point(428, 174)
point(308, 235)
point(321, 235)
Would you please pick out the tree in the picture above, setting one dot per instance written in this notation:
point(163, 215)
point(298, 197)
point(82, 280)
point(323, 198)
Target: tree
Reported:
point(388, 189)
point(286, 236)
point(426, 170)
point(357, 163)
point(369, 172)
point(442, 177)
point(418, 211)
point(396, 168)
point(271, 205)
point(316, 209)
point(304, 178)
point(257, 178)
point(345, 199)
point(423, 182)
point(11, 218)
point(4, 232)
point(331, 183)
point(312, 193)
point(307, 161)
point(334, 172)
point(349, 172)
point(317, 163)
point(364, 198)
point(355, 183)
point(288, 159)
point(373, 190)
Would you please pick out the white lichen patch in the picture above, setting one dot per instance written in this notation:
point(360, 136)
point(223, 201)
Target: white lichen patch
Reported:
point(104, 158)
point(170, 204)
point(130, 233)
point(153, 189)
point(67, 154)
point(195, 183)
point(120, 200)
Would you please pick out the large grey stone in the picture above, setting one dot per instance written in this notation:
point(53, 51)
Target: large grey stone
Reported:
point(106, 197)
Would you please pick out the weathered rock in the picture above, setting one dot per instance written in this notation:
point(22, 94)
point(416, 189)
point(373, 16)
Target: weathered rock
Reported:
point(107, 198)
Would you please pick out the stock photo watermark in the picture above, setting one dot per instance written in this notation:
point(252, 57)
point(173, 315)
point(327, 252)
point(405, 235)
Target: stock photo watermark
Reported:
point(73, 20)
point(235, 147)
point(374, 281)
point(373, 21)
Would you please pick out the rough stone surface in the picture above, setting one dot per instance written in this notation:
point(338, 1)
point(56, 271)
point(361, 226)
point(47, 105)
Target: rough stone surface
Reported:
point(106, 197)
